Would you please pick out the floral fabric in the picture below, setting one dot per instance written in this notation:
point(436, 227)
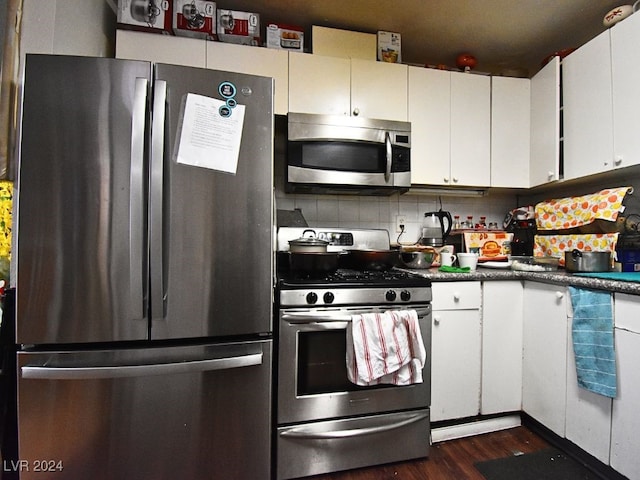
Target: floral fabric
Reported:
point(571, 212)
point(6, 201)
point(556, 245)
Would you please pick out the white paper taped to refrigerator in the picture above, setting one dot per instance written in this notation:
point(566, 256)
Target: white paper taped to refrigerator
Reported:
point(205, 137)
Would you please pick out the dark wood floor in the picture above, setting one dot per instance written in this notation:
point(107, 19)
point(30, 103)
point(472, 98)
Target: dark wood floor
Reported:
point(451, 460)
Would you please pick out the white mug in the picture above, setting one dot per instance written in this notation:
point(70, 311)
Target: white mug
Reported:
point(468, 260)
point(447, 259)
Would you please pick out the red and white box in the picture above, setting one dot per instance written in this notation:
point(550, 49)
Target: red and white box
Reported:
point(285, 37)
point(195, 19)
point(238, 27)
point(145, 15)
point(389, 47)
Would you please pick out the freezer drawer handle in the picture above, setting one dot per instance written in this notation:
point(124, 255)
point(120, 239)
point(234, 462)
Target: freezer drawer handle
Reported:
point(313, 433)
point(124, 371)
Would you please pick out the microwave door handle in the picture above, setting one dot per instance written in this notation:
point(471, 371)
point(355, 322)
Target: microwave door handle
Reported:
point(387, 141)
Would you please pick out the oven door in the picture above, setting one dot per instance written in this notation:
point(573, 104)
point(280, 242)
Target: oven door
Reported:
point(312, 371)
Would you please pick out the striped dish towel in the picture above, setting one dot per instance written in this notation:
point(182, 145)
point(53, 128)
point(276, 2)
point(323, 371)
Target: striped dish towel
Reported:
point(593, 342)
point(385, 348)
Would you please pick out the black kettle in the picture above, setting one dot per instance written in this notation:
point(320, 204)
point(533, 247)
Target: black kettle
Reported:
point(434, 231)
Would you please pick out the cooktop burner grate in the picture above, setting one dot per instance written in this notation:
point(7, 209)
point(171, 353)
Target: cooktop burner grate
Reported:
point(354, 278)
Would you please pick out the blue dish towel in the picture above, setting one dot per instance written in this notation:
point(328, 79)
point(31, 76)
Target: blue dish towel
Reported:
point(593, 343)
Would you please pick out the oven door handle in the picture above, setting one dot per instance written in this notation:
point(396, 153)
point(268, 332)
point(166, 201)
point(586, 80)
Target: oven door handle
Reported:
point(298, 318)
point(315, 432)
point(309, 318)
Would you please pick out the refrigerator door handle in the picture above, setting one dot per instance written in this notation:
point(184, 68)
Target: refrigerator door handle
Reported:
point(156, 268)
point(136, 198)
point(126, 371)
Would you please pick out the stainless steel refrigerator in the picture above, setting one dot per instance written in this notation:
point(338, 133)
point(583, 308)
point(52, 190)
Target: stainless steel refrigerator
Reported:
point(144, 283)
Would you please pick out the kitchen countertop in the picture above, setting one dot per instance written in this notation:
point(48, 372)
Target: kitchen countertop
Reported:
point(559, 277)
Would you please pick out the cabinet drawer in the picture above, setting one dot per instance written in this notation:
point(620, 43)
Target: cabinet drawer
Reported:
point(456, 295)
point(627, 308)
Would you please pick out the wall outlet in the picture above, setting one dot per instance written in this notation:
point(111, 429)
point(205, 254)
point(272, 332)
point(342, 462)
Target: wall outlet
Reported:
point(401, 220)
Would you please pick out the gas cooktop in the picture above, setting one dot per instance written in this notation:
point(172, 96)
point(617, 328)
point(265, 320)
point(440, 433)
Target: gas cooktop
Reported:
point(346, 278)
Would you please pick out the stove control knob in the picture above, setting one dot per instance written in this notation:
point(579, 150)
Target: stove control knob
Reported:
point(328, 297)
point(390, 295)
point(312, 297)
point(405, 295)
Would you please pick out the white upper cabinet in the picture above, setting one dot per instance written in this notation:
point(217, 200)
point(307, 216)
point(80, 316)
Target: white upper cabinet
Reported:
point(319, 84)
point(470, 130)
point(625, 39)
point(342, 86)
point(510, 131)
point(450, 115)
point(266, 62)
point(544, 166)
point(430, 117)
point(194, 52)
point(379, 90)
point(189, 52)
point(587, 109)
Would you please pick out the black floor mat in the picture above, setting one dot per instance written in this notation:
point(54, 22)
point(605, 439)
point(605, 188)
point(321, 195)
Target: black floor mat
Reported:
point(548, 464)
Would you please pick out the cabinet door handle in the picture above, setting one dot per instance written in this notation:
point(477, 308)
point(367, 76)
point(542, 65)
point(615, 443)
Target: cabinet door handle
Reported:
point(550, 175)
point(559, 295)
point(618, 160)
point(356, 112)
point(436, 320)
point(456, 297)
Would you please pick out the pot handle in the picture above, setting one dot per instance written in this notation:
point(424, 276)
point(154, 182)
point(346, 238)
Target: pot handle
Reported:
point(575, 253)
point(310, 230)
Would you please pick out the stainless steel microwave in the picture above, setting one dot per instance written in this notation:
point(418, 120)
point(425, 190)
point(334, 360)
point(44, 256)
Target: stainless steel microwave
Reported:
point(340, 154)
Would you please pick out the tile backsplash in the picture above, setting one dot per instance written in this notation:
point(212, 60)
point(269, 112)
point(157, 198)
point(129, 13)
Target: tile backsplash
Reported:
point(381, 212)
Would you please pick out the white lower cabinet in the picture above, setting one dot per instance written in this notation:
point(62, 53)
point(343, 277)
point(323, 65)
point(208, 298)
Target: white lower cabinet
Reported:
point(455, 347)
point(588, 415)
point(545, 335)
point(501, 347)
point(625, 421)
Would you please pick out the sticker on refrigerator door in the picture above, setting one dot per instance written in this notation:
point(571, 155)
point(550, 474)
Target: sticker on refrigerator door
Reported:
point(227, 90)
point(209, 133)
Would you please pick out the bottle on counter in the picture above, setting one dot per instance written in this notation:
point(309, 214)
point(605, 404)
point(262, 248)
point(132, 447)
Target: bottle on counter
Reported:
point(456, 222)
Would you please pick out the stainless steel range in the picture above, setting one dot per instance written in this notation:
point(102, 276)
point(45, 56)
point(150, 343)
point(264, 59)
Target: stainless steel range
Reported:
point(325, 423)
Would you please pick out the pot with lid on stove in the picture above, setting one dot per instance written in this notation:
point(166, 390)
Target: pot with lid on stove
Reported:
point(308, 244)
